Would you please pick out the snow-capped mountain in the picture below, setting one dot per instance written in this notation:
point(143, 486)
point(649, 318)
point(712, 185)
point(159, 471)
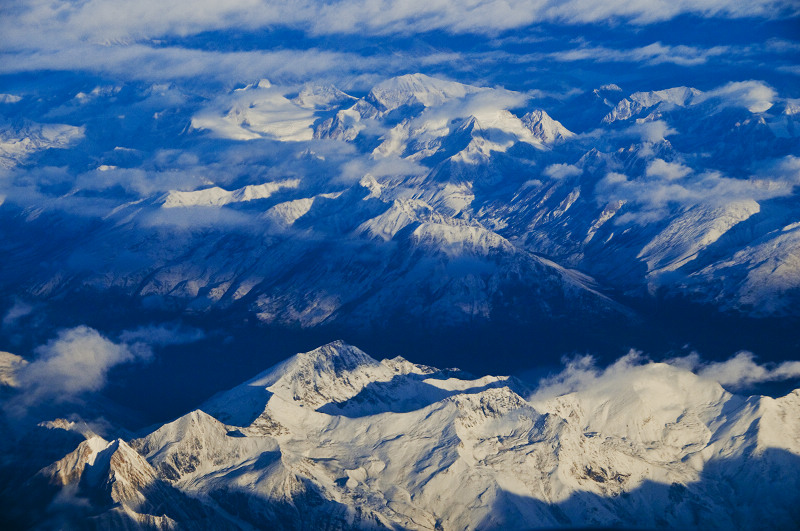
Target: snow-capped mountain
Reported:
point(453, 195)
point(430, 211)
point(333, 438)
point(191, 193)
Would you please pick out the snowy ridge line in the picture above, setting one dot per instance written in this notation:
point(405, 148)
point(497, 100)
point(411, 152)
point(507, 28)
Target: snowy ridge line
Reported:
point(334, 437)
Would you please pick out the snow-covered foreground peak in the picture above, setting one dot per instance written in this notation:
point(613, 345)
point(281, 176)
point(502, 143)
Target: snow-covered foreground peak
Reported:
point(341, 378)
point(335, 438)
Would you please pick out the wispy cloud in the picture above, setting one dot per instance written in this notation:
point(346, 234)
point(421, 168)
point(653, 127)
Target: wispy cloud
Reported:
point(652, 54)
point(77, 361)
point(754, 96)
point(117, 21)
point(18, 310)
point(144, 62)
point(740, 372)
point(163, 335)
point(667, 185)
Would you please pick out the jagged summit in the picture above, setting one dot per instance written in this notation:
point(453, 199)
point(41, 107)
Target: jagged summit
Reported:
point(638, 102)
point(626, 203)
point(418, 448)
point(123, 490)
point(324, 97)
point(331, 374)
point(217, 197)
point(545, 128)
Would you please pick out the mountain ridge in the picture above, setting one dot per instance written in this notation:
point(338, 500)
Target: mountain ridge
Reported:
point(649, 434)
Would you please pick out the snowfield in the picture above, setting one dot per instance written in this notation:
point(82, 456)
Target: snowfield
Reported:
point(333, 438)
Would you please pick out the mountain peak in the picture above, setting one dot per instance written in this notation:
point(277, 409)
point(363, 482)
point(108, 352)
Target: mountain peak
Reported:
point(545, 128)
point(331, 373)
point(338, 357)
point(638, 102)
point(411, 89)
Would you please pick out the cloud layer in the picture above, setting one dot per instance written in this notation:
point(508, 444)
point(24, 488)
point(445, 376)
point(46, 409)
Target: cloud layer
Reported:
point(111, 22)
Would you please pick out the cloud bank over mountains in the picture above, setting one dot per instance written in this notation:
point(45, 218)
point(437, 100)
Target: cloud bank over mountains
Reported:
point(115, 21)
point(342, 40)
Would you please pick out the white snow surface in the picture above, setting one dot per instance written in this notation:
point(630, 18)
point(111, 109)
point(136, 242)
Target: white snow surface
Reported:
point(418, 89)
point(261, 111)
point(638, 102)
point(216, 196)
point(17, 143)
point(409, 446)
point(453, 169)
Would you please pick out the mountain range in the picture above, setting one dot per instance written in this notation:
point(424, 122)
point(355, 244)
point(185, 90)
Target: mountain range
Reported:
point(437, 201)
point(334, 439)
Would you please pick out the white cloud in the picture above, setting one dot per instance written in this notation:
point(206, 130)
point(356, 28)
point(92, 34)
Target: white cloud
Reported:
point(133, 40)
point(655, 131)
point(389, 166)
point(485, 101)
point(669, 171)
point(163, 335)
point(77, 361)
point(562, 171)
point(141, 61)
point(668, 185)
point(754, 96)
point(143, 182)
point(739, 372)
point(652, 54)
point(582, 372)
point(786, 169)
point(200, 217)
point(19, 310)
point(111, 22)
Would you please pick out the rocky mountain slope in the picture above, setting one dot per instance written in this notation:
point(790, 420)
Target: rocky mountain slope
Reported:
point(333, 439)
point(452, 196)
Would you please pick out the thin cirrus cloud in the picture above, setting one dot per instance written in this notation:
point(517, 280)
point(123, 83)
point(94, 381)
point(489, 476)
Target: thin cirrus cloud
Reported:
point(141, 40)
point(669, 185)
point(740, 371)
point(651, 54)
point(139, 61)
